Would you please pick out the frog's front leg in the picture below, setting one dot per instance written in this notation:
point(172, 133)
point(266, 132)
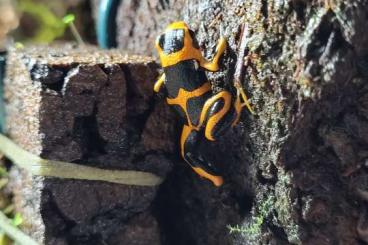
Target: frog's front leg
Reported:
point(159, 83)
point(220, 49)
point(190, 152)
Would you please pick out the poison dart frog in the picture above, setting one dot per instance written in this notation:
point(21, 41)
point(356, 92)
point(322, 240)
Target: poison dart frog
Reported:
point(206, 115)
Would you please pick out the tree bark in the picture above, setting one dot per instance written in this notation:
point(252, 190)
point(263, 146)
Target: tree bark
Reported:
point(296, 172)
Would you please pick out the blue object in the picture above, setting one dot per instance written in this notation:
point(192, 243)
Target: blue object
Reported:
point(2, 105)
point(106, 23)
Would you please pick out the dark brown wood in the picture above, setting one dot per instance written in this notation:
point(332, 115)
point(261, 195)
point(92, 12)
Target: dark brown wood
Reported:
point(93, 107)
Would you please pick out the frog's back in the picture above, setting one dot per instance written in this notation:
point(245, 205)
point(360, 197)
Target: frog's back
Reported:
point(183, 75)
point(194, 86)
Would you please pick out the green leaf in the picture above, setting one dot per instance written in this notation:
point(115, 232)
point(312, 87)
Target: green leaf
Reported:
point(8, 209)
point(50, 26)
point(17, 220)
point(3, 171)
point(3, 182)
point(69, 18)
point(15, 233)
point(4, 240)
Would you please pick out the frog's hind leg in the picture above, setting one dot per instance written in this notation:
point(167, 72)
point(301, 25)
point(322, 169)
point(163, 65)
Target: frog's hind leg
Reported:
point(189, 143)
point(219, 115)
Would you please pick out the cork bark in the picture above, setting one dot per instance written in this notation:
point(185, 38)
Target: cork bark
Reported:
point(296, 172)
point(90, 107)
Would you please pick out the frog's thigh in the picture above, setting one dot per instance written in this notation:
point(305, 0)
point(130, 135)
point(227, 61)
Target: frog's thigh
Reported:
point(188, 140)
point(218, 114)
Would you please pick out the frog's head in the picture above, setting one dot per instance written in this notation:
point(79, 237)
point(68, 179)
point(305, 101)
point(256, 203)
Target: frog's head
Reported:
point(177, 44)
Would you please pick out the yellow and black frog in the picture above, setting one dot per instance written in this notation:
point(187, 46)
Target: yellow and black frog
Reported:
point(207, 115)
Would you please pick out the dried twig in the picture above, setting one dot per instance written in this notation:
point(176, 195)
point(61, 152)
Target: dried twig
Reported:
point(242, 50)
point(239, 67)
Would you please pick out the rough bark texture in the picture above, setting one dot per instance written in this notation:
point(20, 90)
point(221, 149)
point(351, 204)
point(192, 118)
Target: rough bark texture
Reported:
point(92, 107)
point(296, 172)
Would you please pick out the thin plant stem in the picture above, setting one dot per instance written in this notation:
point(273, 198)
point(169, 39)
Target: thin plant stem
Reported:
point(76, 34)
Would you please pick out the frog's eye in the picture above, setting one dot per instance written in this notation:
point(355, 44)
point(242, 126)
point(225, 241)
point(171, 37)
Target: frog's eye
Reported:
point(160, 41)
point(196, 64)
point(173, 41)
